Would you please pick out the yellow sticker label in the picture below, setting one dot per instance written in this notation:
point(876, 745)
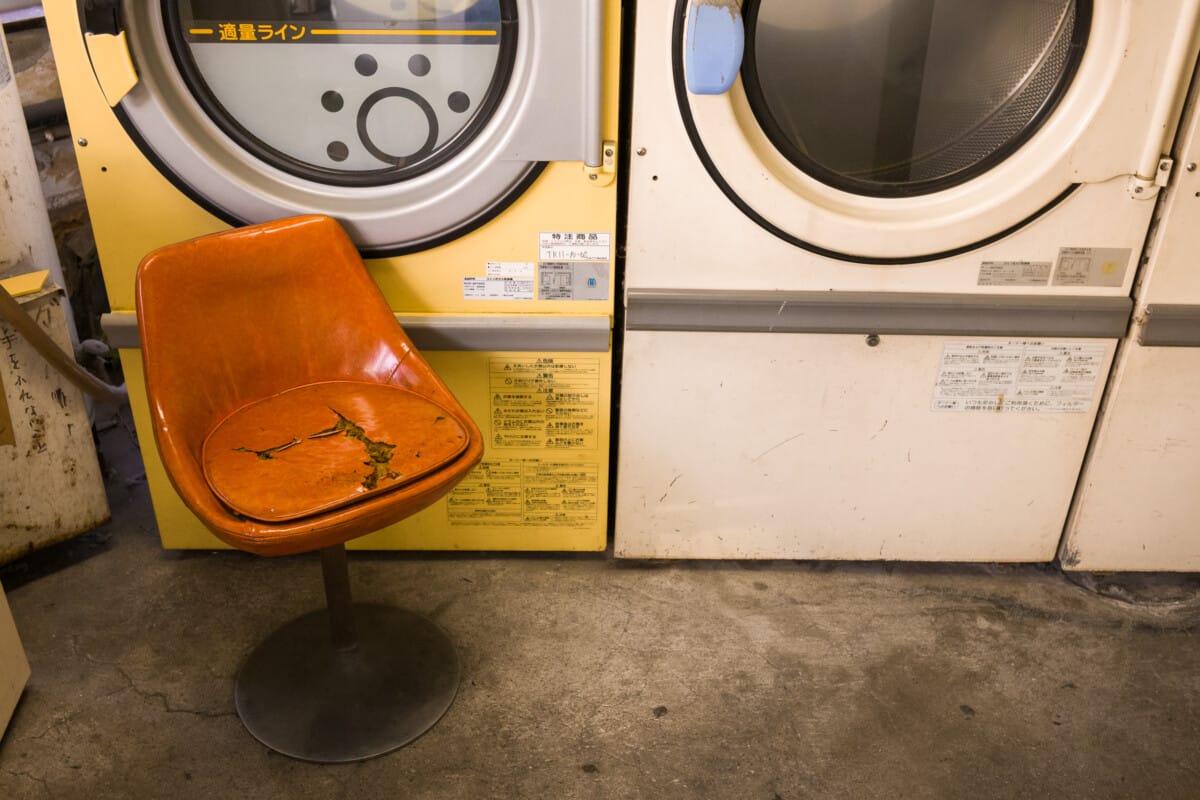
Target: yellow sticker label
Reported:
point(545, 403)
point(527, 492)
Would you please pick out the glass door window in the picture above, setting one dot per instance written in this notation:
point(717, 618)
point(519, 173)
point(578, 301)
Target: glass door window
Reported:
point(347, 92)
point(905, 97)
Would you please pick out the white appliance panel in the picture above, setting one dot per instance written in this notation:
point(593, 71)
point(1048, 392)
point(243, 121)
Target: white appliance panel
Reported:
point(1138, 507)
point(821, 446)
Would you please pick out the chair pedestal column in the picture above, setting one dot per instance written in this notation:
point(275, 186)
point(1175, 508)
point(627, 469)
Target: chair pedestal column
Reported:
point(349, 682)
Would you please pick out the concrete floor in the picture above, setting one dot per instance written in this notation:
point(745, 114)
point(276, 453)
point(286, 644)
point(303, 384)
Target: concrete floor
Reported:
point(585, 677)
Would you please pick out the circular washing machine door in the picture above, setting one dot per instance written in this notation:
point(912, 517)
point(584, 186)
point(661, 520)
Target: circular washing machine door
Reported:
point(895, 131)
point(389, 116)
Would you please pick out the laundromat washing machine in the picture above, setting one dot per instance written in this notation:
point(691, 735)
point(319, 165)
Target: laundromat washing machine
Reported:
point(880, 253)
point(467, 146)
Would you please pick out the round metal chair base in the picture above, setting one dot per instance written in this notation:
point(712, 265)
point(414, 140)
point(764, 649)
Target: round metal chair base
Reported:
point(300, 696)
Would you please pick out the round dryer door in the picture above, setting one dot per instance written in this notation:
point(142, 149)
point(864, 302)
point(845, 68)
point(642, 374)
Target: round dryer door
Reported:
point(895, 131)
point(914, 95)
point(390, 116)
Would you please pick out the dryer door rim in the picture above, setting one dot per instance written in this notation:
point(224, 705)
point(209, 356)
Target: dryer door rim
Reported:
point(1064, 153)
point(484, 176)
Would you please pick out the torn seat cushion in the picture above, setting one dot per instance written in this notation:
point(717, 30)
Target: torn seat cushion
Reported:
point(325, 445)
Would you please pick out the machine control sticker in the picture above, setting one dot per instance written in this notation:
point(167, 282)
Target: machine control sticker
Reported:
point(505, 280)
point(1019, 376)
point(571, 246)
point(545, 402)
point(566, 280)
point(525, 492)
point(1092, 266)
point(1014, 273)
point(573, 265)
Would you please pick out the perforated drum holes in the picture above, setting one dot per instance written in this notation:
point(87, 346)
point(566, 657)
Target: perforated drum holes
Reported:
point(364, 94)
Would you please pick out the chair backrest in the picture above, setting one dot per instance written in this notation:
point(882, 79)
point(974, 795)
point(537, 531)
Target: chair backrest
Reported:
point(240, 315)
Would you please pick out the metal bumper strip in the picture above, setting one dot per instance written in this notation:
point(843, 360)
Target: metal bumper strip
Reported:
point(926, 314)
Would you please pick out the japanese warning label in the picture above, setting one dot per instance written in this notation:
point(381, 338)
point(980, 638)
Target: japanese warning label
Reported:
point(1019, 376)
point(527, 492)
point(541, 406)
point(545, 402)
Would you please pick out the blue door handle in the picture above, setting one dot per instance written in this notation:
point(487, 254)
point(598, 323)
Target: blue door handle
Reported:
point(716, 40)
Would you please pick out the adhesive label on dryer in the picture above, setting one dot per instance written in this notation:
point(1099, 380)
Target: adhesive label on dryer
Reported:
point(505, 280)
point(1014, 273)
point(575, 246)
point(527, 492)
point(1092, 266)
point(567, 280)
point(545, 402)
point(1019, 376)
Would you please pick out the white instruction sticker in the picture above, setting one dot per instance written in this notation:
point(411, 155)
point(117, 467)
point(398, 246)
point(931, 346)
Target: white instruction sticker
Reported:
point(1019, 376)
point(573, 246)
point(1014, 273)
point(497, 289)
point(511, 269)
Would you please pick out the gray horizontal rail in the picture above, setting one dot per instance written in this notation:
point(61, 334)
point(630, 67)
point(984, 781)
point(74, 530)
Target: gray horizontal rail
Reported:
point(459, 333)
point(924, 314)
point(1170, 326)
point(22, 13)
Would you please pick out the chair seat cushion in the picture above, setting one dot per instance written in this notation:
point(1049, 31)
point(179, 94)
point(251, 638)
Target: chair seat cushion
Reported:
point(325, 445)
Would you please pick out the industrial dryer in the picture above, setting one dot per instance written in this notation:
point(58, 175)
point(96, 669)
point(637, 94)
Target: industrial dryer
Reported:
point(879, 256)
point(468, 147)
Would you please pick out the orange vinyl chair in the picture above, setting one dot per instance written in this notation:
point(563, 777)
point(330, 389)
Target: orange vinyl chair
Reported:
point(292, 413)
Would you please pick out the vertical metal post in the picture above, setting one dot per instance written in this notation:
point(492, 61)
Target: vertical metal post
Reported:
point(26, 238)
point(337, 596)
point(593, 47)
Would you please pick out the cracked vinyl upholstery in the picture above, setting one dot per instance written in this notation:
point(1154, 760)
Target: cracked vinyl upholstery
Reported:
point(326, 445)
